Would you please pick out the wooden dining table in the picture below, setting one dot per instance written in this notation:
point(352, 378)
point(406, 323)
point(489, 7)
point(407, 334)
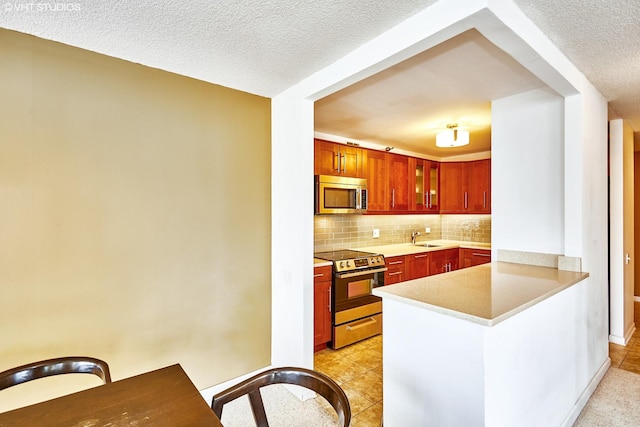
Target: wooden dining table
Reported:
point(164, 397)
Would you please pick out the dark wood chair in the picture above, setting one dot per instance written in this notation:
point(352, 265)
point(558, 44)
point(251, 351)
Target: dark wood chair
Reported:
point(313, 380)
point(62, 365)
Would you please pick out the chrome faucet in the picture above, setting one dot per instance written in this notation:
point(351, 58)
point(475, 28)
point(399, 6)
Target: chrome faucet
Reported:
point(414, 234)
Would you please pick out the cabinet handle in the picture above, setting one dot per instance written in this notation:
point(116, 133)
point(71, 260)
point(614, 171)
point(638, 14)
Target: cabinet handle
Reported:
point(430, 206)
point(420, 256)
point(336, 162)
point(477, 254)
point(329, 299)
point(343, 161)
point(395, 262)
point(465, 200)
point(318, 275)
point(395, 274)
point(484, 199)
point(425, 200)
point(393, 197)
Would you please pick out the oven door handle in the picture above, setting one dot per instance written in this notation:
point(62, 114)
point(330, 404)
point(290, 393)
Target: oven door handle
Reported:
point(360, 273)
point(362, 324)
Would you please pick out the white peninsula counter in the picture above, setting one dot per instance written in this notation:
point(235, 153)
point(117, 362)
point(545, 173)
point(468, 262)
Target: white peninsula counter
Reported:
point(493, 345)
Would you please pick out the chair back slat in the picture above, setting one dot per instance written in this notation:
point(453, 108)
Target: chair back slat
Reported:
point(257, 407)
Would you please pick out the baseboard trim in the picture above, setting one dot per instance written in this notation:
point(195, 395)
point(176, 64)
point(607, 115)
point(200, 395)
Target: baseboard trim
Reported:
point(629, 334)
point(586, 394)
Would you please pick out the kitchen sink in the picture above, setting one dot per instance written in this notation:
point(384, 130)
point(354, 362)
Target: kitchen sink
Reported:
point(430, 245)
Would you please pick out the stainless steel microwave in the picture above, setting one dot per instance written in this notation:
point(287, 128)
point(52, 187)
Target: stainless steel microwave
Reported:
point(340, 195)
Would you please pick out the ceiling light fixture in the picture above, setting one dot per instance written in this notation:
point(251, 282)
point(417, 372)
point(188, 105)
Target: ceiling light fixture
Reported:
point(452, 137)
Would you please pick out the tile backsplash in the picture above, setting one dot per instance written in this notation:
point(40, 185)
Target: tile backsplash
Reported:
point(351, 231)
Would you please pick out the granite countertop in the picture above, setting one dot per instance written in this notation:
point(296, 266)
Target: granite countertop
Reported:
point(408, 248)
point(486, 294)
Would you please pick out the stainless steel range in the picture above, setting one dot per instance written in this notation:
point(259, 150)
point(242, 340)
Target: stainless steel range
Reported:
point(356, 312)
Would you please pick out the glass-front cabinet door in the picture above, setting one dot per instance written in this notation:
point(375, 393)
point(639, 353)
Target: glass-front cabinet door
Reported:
point(420, 191)
point(434, 186)
point(427, 185)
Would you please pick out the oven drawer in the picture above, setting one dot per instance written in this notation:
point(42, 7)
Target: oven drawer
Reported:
point(357, 330)
point(357, 312)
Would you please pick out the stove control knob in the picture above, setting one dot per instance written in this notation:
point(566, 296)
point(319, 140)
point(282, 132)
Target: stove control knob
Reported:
point(341, 265)
point(348, 263)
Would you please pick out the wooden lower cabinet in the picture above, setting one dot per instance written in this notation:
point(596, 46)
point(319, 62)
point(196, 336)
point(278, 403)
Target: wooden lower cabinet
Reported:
point(417, 266)
point(409, 267)
point(471, 257)
point(443, 261)
point(321, 307)
point(395, 270)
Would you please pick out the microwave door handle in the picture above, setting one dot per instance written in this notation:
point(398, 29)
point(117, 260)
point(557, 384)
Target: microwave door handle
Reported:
point(358, 198)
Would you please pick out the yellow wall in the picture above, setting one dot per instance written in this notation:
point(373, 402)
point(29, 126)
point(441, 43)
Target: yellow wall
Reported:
point(134, 215)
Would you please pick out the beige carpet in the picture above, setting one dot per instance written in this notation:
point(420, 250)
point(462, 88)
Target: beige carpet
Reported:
point(283, 409)
point(616, 401)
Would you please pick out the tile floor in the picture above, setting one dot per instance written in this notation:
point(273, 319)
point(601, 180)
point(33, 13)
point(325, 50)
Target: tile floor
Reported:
point(358, 370)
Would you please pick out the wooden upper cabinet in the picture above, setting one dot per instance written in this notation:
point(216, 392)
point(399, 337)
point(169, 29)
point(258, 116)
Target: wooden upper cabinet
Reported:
point(377, 181)
point(479, 182)
point(404, 184)
point(453, 187)
point(398, 182)
point(387, 182)
point(465, 187)
point(331, 158)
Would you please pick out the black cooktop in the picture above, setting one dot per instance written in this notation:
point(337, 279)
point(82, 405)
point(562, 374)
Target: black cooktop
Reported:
point(342, 255)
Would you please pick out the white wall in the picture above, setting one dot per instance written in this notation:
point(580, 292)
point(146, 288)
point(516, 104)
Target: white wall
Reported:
point(583, 233)
point(621, 193)
point(528, 172)
point(292, 239)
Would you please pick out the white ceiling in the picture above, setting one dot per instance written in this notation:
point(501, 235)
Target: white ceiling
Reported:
point(266, 46)
point(406, 105)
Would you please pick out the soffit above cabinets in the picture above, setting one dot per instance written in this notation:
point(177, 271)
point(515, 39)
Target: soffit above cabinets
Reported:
point(406, 105)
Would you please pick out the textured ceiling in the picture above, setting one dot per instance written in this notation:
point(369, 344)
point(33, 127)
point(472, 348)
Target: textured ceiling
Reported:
point(602, 39)
point(266, 46)
point(258, 46)
point(405, 106)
